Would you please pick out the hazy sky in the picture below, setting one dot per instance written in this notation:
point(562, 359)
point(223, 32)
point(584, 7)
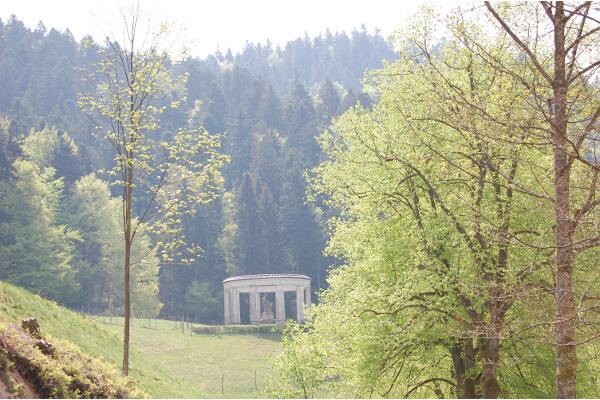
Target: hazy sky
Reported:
point(223, 23)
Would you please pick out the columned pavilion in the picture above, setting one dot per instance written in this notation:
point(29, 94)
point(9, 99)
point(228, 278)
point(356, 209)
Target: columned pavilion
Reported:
point(255, 285)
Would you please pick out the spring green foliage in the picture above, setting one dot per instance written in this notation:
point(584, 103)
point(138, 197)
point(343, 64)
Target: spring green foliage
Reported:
point(164, 177)
point(445, 230)
point(300, 371)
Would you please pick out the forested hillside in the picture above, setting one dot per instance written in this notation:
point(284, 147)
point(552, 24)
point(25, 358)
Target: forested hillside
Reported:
point(60, 220)
point(442, 191)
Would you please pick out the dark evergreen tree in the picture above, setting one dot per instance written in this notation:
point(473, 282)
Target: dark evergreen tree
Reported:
point(302, 228)
point(302, 125)
point(251, 236)
point(329, 100)
point(9, 146)
point(277, 254)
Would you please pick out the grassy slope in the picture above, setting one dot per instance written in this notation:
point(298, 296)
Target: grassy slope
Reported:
point(17, 304)
point(164, 362)
point(204, 361)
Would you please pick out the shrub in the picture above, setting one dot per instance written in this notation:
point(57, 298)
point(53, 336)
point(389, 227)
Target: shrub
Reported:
point(264, 329)
point(64, 371)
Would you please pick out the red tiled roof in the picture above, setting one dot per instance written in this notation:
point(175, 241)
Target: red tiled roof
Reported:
point(264, 276)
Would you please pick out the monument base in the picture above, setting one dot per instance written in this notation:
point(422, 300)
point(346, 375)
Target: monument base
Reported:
point(267, 318)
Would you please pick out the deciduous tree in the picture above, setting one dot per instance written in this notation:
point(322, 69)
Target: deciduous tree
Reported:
point(162, 175)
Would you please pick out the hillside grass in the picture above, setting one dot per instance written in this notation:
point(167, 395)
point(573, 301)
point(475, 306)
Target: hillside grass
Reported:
point(164, 362)
point(54, 368)
point(17, 304)
point(217, 366)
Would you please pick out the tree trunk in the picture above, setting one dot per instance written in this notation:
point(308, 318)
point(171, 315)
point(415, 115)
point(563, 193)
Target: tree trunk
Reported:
point(128, 242)
point(566, 356)
point(489, 349)
point(127, 310)
point(463, 358)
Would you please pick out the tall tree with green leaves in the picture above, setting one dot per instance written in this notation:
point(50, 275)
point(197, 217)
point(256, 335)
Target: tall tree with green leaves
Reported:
point(445, 227)
point(557, 43)
point(162, 175)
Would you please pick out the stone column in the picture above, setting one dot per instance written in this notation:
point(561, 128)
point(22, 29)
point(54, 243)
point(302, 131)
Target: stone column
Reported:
point(299, 304)
point(235, 319)
point(307, 295)
point(280, 306)
point(226, 306)
point(254, 306)
point(257, 302)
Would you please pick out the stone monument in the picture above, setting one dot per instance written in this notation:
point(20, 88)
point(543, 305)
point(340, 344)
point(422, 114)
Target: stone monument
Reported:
point(257, 286)
point(267, 316)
